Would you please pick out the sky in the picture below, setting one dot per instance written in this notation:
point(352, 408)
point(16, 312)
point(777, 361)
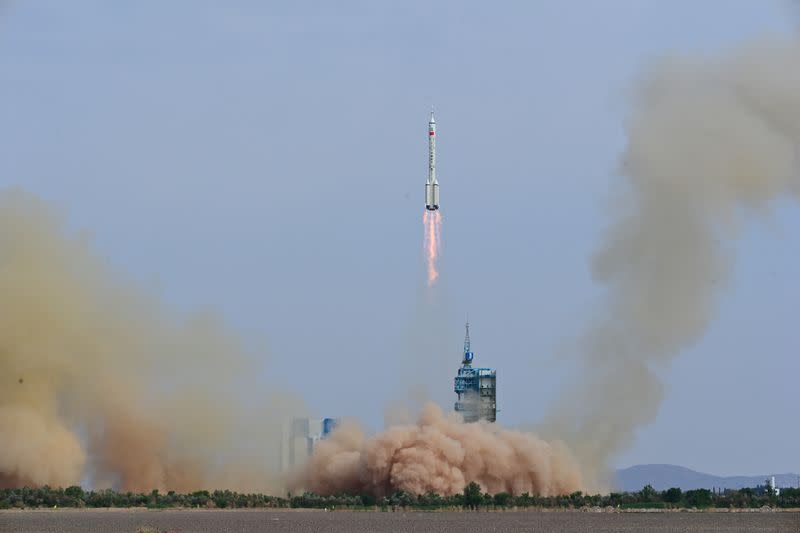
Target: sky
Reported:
point(266, 160)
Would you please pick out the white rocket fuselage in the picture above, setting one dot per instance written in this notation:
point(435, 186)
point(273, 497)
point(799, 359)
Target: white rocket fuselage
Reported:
point(432, 186)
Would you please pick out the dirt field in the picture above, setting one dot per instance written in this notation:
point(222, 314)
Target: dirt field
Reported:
point(202, 521)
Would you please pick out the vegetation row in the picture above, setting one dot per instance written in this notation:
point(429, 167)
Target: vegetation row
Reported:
point(471, 498)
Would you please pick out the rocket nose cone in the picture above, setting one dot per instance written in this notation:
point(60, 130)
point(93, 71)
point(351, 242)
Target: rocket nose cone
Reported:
point(433, 120)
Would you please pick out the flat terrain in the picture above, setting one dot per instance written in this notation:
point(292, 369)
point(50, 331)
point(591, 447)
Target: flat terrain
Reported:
point(208, 521)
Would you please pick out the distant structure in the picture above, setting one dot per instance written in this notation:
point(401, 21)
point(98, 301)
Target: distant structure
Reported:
point(302, 437)
point(476, 388)
point(772, 488)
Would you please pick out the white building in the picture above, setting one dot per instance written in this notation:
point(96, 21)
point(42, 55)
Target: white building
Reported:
point(301, 437)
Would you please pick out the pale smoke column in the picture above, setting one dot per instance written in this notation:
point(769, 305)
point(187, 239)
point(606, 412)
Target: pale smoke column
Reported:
point(709, 143)
point(439, 454)
point(433, 235)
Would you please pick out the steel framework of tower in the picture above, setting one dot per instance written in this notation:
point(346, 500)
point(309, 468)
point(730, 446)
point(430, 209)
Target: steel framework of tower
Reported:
point(476, 388)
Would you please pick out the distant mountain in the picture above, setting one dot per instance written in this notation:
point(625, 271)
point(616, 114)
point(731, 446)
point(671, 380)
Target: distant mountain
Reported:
point(662, 477)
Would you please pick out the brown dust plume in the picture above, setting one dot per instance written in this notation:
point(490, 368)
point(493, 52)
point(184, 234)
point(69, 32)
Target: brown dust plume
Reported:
point(99, 381)
point(710, 143)
point(439, 454)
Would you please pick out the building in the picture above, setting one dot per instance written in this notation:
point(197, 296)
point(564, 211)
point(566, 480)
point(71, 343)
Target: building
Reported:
point(302, 436)
point(773, 489)
point(476, 388)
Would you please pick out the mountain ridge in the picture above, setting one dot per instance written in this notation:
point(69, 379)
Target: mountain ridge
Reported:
point(665, 476)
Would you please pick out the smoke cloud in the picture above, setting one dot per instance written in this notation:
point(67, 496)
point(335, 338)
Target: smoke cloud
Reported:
point(99, 381)
point(439, 454)
point(710, 142)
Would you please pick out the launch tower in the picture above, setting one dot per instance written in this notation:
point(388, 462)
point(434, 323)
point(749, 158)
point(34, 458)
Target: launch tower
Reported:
point(476, 388)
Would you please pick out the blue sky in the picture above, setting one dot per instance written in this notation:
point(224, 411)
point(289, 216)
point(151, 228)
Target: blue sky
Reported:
point(267, 160)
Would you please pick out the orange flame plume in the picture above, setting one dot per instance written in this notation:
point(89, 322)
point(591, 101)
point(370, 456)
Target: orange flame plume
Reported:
point(433, 235)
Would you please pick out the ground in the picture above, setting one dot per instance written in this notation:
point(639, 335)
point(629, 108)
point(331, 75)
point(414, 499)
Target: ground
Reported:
point(248, 521)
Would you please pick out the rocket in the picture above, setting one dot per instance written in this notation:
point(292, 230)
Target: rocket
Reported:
point(432, 186)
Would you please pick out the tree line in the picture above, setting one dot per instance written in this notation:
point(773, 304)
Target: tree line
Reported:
point(471, 498)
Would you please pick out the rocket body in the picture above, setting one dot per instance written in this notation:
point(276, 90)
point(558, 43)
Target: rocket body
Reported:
point(432, 185)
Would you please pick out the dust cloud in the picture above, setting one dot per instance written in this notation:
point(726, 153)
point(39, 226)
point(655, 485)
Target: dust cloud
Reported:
point(99, 382)
point(439, 454)
point(711, 142)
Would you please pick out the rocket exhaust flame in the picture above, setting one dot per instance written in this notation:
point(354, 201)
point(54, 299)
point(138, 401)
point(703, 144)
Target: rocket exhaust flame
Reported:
point(433, 235)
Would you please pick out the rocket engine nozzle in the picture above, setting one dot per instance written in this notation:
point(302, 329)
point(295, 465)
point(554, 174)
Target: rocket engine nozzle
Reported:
point(431, 196)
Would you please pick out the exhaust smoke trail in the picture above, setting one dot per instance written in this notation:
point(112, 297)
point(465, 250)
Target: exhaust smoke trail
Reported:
point(709, 141)
point(98, 380)
point(433, 235)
